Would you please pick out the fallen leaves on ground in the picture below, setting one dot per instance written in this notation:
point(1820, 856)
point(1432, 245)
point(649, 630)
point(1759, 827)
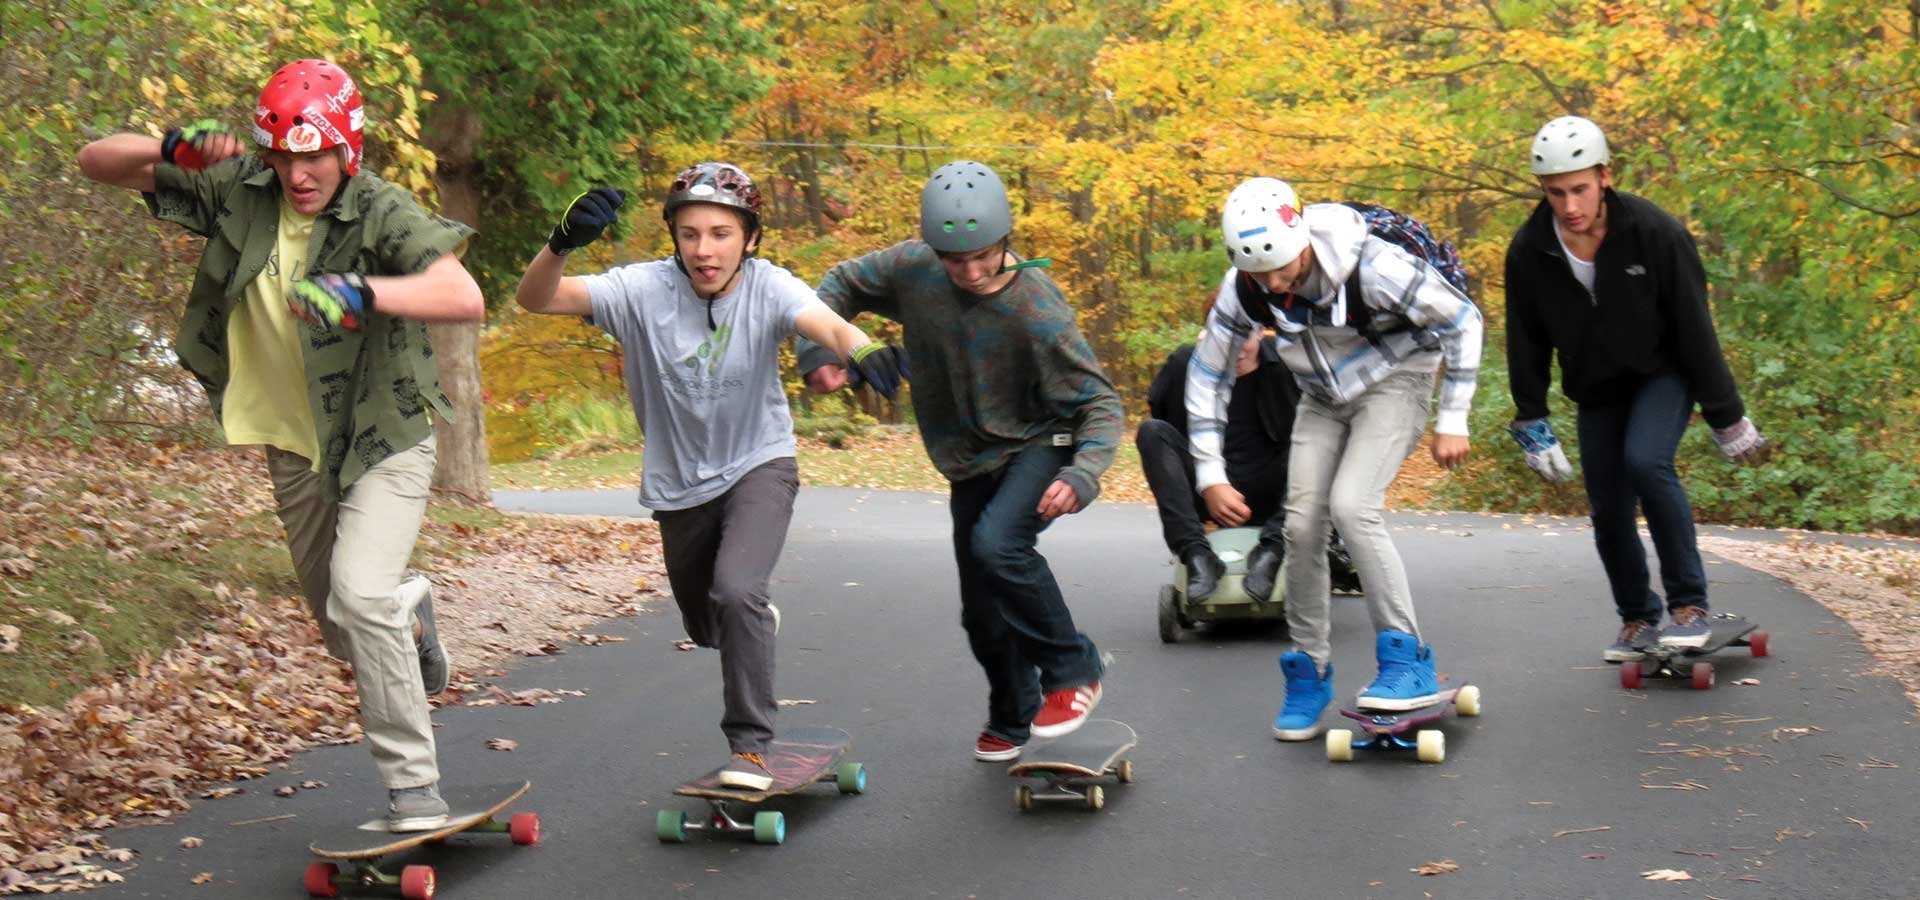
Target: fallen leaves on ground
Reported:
point(1666, 875)
point(502, 744)
point(1436, 867)
point(253, 683)
point(203, 878)
point(188, 843)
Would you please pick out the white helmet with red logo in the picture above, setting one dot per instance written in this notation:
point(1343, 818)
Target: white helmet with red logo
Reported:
point(310, 105)
point(1262, 225)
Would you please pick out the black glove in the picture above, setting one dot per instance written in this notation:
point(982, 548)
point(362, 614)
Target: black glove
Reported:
point(587, 216)
point(883, 366)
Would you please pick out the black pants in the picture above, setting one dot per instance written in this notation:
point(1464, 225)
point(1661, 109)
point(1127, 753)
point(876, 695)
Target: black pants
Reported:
point(1168, 463)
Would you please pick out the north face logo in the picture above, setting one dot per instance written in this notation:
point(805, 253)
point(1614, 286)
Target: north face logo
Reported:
point(1636, 269)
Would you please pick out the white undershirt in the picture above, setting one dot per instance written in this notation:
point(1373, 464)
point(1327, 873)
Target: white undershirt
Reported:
point(1583, 269)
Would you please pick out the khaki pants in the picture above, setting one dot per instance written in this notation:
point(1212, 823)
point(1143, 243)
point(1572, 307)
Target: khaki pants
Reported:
point(350, 556)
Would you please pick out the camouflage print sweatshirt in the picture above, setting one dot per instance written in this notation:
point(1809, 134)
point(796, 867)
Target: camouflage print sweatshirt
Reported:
point(992, 374)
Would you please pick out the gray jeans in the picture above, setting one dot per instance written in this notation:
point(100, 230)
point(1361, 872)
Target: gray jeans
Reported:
point(350, 556)
point(1342, 461)
point(720, 556)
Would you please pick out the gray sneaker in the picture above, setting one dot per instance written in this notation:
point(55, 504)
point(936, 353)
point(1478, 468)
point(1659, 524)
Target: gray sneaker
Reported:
point(1688, 629)
point(434, 668)
point(747, 771)
point(1628, 647)
point(415, 809)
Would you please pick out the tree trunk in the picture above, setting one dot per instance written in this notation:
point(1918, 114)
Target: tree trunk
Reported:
point(461, 467)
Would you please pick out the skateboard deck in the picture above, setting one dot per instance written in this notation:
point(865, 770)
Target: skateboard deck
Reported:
point(1070, 762)
point(364, 845)
point(1384, 729)
point(1662, 661)
point(797, 760)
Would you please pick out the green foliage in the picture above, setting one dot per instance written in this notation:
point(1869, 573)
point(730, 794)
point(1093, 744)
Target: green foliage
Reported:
point(539, 101)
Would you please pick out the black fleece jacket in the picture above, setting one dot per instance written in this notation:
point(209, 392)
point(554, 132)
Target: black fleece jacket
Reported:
point(1647, 314)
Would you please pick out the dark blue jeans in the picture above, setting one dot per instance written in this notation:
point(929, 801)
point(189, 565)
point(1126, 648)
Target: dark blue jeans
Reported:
point(1017, 622)
point(1626, 456)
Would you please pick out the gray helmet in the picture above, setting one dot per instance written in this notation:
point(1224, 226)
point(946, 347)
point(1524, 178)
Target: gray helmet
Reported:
point(964, 208)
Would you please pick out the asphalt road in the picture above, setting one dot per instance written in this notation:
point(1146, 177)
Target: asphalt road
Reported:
point(1800, 786)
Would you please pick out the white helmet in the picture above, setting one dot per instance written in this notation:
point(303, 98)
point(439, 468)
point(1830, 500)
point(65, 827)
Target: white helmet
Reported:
point(1262, 225)
point(1569, 144)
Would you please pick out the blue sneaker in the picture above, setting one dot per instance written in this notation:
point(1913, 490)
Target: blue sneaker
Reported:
point(1688, 629)
point(1406, 678)
point(1308, 693)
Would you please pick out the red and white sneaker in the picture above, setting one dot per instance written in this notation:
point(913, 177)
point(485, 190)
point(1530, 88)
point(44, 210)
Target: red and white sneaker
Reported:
point(993, 748)
point(1065, 710)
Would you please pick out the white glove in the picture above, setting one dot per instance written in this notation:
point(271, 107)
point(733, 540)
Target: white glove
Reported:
point(1741, 442)
point(1544, 456)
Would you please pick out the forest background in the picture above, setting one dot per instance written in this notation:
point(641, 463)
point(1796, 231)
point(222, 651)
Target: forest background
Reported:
point(1782, 133)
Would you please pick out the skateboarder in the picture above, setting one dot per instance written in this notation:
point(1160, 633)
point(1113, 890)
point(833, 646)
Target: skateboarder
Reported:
point(1613, 286)
point(305, 326)
point(1259, 430)
point(1363, 405)
point(1019, 417)
point(701, 334)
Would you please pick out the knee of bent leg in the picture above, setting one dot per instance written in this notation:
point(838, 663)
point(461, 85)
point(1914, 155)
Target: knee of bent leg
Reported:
point(1156, 433)
point(737, 588)
point(1646, 468)
point(1353, 514)
point(997, 551)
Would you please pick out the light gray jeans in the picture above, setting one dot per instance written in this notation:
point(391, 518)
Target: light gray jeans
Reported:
point(1342, 461)
point(350, 556)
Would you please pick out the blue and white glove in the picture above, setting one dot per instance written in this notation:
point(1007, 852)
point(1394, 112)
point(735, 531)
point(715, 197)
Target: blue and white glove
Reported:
point(1742, 443)
point(1544, 455)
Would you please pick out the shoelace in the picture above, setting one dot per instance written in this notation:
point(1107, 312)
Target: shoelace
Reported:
point(752, 758)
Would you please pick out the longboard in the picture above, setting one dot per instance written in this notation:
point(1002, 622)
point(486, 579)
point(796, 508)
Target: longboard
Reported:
point(1071, 762)
point(1658, 660)
point(1386, 729)
point(365, 845)
point(797, 760)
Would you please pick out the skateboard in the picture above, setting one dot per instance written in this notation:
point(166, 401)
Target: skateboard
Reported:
point(1661, 661)
point(1385, 728)
point(800, 758)
point(365, 845)
point(1229, 600)
point(1071, 763)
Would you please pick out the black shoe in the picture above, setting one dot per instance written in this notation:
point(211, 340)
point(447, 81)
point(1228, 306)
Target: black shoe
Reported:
point(1203, 574)
point(1263, 565)
point(1343, 576)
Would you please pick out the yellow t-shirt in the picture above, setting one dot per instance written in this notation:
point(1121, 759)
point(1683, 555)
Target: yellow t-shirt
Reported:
point(266, 399)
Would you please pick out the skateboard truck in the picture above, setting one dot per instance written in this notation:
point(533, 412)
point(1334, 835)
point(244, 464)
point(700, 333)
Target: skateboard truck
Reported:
point(1064, 787)
point(767, 826)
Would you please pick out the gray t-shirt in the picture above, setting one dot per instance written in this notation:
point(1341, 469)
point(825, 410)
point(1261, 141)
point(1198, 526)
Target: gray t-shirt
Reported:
point(708, 400)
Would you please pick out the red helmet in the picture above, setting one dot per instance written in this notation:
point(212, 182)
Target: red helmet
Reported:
point(310, 105)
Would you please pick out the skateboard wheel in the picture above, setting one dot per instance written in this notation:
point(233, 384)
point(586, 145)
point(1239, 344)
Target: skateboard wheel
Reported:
point(1757, 642)
point(1702, 676)
point(524, 828)
point(1431, 746)
point(1169, 615)
point(320, 880)
point(851, 777)
point(769, 827)
point(1096, 796)
point(1339, 745)
point(1630, 676)
point(416, 882)
point(670, 826)
point(1125, 771)
point(1023, 797)
point(1467, 702)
